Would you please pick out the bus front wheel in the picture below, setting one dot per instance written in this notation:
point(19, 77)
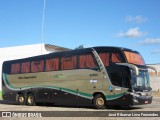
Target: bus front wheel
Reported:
point(99, 102)
point(30, 99)
point(21, 99)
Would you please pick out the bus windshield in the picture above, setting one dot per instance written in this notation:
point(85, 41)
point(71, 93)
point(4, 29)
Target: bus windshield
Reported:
point(141, 82)
point(134, 58)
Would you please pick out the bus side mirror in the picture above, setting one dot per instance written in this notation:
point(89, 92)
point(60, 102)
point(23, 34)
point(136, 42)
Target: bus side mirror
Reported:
point(135, 68)
point(153, 68)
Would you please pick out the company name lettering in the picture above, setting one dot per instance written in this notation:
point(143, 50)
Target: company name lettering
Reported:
point(26, 77)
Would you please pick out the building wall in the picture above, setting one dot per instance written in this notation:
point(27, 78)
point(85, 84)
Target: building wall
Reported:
point(155, 81)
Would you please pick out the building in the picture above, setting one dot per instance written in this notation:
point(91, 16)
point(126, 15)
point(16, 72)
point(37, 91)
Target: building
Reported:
point(18, 52)
point(155, 81)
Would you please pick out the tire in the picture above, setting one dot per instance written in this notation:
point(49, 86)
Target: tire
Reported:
point(99, 101)
point(31, 99)
point(21, 99)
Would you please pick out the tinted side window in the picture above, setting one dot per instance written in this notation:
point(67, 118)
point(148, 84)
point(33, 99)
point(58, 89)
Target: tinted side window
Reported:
point(52, 64)
point(110, 57)
point(15, 68)
point(87, 61)
point(115, 79)
point(37, 66)
point(116, 58)
point(68, 63)
point(119, 79)
point(105, 58)
point(25, 67)
point(120, 76)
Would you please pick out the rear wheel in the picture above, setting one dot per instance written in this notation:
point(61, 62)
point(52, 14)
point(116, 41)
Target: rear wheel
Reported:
point(99, 101)
point(30, 99)
point(21, 99)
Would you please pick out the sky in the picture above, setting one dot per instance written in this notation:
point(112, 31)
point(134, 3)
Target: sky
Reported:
point(133, 24)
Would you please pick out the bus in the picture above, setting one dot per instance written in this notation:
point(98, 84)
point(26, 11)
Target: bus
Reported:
point(101, 76)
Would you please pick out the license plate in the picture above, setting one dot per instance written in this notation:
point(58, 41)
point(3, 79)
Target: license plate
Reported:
point(146, 102)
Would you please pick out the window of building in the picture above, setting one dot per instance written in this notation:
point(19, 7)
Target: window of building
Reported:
point(68, 63)
point(15, 68)
point(52, 64)
point(87, 61)
point(25, 67)
point(37, 66)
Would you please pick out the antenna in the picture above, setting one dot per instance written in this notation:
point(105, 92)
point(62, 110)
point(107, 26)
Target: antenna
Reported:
point(42, 39)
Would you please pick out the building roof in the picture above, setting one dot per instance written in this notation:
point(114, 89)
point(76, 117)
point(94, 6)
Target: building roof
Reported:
point(57, 47)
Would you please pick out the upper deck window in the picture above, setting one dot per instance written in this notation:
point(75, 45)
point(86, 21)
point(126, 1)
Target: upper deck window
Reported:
point(110, 57)
point(37, 66)
point(134, 58)
point(15, 68)
point(68, 63)
point(52, 64)
point(87, 61)
point(116, 58)
point(25, 67)
point(105, 58)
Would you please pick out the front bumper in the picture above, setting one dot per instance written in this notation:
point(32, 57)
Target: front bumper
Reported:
point(142, 100)
point(131, 99)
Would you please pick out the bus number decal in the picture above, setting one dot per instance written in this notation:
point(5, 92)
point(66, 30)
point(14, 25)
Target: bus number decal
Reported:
point(93, 81)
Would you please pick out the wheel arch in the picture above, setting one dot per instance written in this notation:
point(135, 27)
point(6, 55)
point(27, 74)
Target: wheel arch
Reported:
point(34, 99)
point(32, 94)
point(100, 93)
point(19, 93)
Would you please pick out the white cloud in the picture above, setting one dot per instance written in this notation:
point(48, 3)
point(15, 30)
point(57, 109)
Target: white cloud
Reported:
point(156, 51)
point(150, 41)
point(132, 33)
point(136, 19)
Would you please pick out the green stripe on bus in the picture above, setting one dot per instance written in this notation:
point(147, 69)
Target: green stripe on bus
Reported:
point(53, 87)
point(111, 97)
point(79, 93)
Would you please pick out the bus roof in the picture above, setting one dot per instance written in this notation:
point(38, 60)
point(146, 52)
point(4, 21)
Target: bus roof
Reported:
point(77, 51)
point(112, 48)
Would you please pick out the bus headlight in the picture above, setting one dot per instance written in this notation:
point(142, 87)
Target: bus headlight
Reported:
point(133, 94)
point(136, 101)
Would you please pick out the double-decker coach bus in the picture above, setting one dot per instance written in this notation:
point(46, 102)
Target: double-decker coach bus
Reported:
point(100, 76)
